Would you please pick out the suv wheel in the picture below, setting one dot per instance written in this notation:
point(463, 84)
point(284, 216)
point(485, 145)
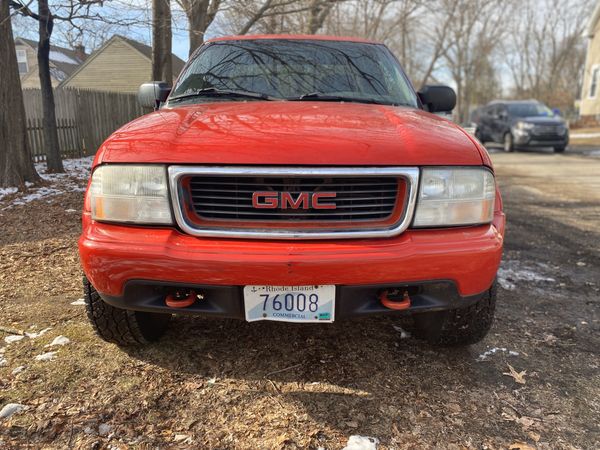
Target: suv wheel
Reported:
point(121, 326)
point(560, 149)
point(509, 145)
point(458, 327)
point(479, 136)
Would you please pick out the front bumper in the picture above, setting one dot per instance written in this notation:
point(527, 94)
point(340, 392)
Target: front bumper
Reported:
point(527, 139)
point(119, 260)
point(228, 301)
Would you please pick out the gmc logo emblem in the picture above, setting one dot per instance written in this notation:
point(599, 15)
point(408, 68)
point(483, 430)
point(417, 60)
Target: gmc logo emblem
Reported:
point(286, 200)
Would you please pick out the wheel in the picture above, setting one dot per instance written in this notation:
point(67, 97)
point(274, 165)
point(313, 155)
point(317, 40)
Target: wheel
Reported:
point(458, 327)
point(560, 149)
point(509, 145)
point(479, 136)
point(121, 326)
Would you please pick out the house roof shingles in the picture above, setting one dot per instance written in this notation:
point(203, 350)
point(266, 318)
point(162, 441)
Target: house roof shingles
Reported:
point(60, 57)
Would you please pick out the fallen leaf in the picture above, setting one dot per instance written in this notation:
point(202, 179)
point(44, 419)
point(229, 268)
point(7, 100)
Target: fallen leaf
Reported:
point(525, 422)
point(535, 437)
point(519, 377)
point(521, 446)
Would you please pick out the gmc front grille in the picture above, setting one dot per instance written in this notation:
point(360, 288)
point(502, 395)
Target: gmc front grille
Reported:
point(304, 202)
point(353, 199)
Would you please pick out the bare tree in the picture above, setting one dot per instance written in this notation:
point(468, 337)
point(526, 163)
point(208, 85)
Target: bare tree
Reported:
point(200, 14)
point(162, 61)
point(46, 25)
point(545, 50)
point(16, 166)
point(70, 12)
point(474, 33)
point(278, 16)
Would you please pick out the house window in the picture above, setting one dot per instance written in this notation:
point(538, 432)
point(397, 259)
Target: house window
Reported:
point(594, 82)
point(22, 61)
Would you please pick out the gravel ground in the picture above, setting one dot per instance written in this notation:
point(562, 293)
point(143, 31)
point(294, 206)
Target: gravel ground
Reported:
point(532, 383)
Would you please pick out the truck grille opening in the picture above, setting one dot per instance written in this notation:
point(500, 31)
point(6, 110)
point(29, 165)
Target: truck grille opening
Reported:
point(272, 202)
point(291, 199)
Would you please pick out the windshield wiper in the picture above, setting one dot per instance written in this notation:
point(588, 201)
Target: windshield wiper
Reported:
point(214, 92)
point(322, 97)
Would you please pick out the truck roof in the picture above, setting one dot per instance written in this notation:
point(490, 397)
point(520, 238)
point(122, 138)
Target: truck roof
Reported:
point(304, 37)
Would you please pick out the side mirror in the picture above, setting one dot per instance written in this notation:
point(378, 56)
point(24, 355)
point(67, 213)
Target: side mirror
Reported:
point(437, 98)
point(152, 94)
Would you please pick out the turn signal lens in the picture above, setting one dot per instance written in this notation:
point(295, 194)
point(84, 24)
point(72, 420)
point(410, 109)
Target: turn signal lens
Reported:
point(455, 196)
point(130, 194)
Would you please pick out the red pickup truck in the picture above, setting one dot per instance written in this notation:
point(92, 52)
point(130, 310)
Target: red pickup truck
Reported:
point(292, 178)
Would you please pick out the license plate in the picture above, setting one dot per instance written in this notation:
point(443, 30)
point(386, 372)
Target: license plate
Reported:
point(290, 303)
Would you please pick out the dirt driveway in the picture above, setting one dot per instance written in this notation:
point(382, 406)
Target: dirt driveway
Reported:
point(226, 384)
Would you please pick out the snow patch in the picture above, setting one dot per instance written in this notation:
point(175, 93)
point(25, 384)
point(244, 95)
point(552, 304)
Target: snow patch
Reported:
point(356, 442)
point(403, 333)
point(13, 338)
point(104, 429)
point(576, 135)
point(78, 302)
point(485, 355)
point(77, 172)
point(18, 370)
point(59, 341)
point(38, 334)
point(7, 191)
point(9, 409)
point(3, 361)
point(511, 273)
point(61, 57)
point(49, 356)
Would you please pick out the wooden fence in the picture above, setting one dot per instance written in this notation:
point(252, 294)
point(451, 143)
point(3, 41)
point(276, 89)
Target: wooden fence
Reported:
point(84, 119)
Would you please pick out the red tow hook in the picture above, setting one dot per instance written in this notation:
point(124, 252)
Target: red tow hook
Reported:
point(397, 305)
point(181, 299)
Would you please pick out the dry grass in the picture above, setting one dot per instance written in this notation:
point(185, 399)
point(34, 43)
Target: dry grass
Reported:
point(227, 384)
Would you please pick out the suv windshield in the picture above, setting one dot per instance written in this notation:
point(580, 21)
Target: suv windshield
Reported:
point(295, 70)
point(529, 110)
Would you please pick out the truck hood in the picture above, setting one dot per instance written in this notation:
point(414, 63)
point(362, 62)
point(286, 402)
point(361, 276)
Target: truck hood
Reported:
point(291, 133)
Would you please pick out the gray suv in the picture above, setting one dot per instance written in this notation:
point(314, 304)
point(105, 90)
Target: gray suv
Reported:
point(521, 124)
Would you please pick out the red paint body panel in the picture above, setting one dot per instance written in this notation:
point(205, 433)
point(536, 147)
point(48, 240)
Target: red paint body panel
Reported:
point(292, 133)
point(113, 254)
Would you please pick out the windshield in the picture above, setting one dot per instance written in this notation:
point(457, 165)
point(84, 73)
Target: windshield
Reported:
point(529, 110)
point(291, 69)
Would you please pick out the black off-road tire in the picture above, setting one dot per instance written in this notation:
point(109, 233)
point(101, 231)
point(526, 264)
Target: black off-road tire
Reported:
point(458, 327)
point(121, 326)
point(560, 149)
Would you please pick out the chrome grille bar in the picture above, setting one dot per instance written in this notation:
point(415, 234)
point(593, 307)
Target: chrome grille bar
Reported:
point(219, 197)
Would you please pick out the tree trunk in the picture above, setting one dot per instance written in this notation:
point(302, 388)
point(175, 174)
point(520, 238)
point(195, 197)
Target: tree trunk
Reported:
point(162, 65)
point(16, 166)
point(197, 23)
point(318, 13)
point(51, 145)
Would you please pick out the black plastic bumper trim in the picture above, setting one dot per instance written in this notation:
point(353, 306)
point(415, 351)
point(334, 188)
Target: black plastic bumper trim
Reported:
point(351, 301)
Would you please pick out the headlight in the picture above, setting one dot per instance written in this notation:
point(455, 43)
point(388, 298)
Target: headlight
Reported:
point(525, 126)
point(134, 194)
point(461, 196)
